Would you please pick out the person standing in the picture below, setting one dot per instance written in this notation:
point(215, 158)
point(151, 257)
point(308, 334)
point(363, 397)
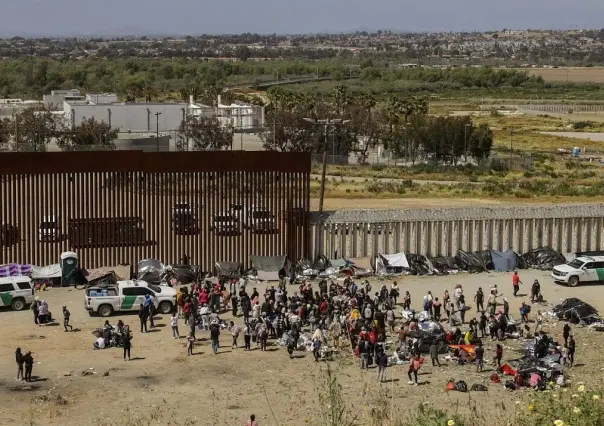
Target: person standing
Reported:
point(235, 333)
point(66, 316)
point(434, 353)
point(535, 291)
point(479, 351)
point(436, 308)
point(28, 360)
point(143, 315)
point(19, 359)
point(498, 355)
point(247, 337)
point(390, 317)
point(571, 350)
point(566, 332)
point(479, 299)
point(516, 283)
point(174, 325)
point(35, 308)
point(190, 344)
point(214, 335)
point(506, 308)
point(382, 362)
point(414, 366)
point(150, 308)
point(127, 341)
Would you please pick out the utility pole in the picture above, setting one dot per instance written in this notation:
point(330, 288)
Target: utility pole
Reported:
point(157, 114)
point(465, 142)
point(326, 123)
point(511, 148)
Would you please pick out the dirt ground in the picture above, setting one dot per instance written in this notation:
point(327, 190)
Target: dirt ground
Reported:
point(78, 385)
point(573, 74)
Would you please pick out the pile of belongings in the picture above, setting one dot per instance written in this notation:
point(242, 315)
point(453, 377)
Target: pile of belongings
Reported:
point(270, 268)
point(445, 265)
point(427, 332)
point(543, 258)
point(489, 260)
point(403, 264)
point(150, 270)
point(336, 267)
point(306, 269)
point(576, 311)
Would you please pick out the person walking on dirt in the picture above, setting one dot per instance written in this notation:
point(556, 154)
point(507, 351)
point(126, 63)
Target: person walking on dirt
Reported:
point(190, 344)
point(174, 325)
point(479, 351)
point(214, 335)
point(66, 316)
point(19, 359)
point(150, 308)
point(143, 315)
point(234, 333)
point(28, 360)
point(498, 355)
point(434, 353)
point(516, 283)
point(35, 308)
point(126, 340)
point(247, 337)
point(571, 350)
point(479, 299)
point(414, 366)
point(252, 421)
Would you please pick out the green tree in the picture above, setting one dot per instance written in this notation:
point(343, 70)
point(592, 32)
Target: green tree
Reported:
point(206, 133)
point(88, 134)
point(34, 129)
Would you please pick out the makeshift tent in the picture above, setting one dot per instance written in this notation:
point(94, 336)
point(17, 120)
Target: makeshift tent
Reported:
point(504, 261)
point(321, 263)
point(46, 272)
point(14, 269)
point(391, 264)
point(543, 258)
point(228, 270)
point(361, 262)
point(338, 263)
point(576, 311)
point(444, 265)
point(306, 269)
point(150, 270)
point(117, 273)
point(185, 274)
point(269, 268)
point(473, 262)
point(419, 265)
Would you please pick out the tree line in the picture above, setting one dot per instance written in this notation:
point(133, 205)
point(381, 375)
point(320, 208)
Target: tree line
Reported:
point(165, 78)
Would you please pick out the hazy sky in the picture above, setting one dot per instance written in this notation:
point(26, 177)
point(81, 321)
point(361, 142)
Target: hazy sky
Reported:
point(64, 17)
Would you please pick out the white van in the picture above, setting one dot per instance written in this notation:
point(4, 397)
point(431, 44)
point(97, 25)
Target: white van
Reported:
point(16, 292)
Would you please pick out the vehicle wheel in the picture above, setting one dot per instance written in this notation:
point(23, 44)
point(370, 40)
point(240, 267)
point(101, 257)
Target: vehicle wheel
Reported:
point(18, 304)
point(573, 281)
point(105, 310)
point(165, 307)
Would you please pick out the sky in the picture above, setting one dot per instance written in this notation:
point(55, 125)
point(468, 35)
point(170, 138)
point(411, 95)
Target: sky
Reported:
point(148, 17)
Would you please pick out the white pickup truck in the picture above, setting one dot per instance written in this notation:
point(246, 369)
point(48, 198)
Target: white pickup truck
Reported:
point(128, 296)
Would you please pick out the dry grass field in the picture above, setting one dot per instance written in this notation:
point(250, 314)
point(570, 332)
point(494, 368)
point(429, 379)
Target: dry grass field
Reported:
point(575, 75)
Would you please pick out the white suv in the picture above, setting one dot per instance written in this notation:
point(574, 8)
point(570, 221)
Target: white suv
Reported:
point(16, 292)
point(579, 270)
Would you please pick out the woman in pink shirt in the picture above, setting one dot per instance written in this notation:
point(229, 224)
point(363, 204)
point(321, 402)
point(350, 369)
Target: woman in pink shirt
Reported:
point(203, 297)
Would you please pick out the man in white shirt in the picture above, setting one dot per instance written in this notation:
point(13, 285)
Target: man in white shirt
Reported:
point(99, 344)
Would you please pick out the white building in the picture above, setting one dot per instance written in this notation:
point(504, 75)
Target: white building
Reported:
point(9, 107)
point(57, 97)
point(127, 116)
point(243, 117)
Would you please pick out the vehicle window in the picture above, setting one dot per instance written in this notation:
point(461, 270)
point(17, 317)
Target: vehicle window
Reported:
point(6, 287)
point(24, 285)
point(135, 291)
point(597, 265)
point(155, 288)
point(577, 264)
point(589, 265)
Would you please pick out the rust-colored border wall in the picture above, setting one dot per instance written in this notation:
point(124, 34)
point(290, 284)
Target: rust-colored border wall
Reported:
point(118, 207)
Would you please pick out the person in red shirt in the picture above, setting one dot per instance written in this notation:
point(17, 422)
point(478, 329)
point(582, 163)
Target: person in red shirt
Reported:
point(323, 306)
point(186, 310)
point(203, 297)
point(516, 283)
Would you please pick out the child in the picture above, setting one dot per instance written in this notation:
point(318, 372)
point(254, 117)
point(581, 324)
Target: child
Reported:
point(174, 324)
point(66, 316)
point(235, 333)
point(564, 355)
point(190, 344)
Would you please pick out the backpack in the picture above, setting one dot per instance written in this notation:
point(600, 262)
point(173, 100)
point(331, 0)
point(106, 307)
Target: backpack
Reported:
point(461, 386)
point(478, 387)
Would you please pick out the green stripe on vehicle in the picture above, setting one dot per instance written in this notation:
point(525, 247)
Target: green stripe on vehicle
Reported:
point(600, 272)
point(6, 298)
point(128, 302)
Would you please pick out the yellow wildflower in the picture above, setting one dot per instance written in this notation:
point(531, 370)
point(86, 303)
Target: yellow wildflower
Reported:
point(576, 410)
point(595, 397)
point(581, 388)
point(558, 423)
point(451, 422)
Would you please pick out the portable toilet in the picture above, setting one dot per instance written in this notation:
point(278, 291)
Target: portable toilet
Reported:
point(69, 268)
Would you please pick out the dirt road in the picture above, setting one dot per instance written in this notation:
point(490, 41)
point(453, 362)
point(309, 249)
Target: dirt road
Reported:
point(77, 385)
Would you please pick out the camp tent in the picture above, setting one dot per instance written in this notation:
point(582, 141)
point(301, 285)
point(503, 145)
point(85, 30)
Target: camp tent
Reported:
point(361, 262)
point(14, 269)
point(391, 263)
point(338, 263)
point(228, 270)
point(268, 268)
point(120, 273)
point(504, 261)
point(46, 272)
point(150, 270)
